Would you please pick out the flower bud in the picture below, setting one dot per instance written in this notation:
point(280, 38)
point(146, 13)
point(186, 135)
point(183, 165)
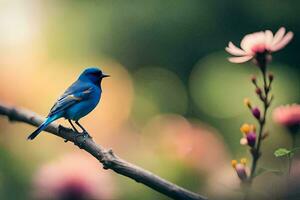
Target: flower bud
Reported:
point(251, 139)
point(234, 163)
point(256, 113)
point(253, 79)
point(247, 103)
point(245, 128)
point(244, 141)
point(244, 161)
point(271, 77)
point(258, 91)
point(241, 171)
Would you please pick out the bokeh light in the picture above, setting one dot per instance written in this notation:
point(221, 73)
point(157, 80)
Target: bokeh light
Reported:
point(158, 91)
point(173, 103)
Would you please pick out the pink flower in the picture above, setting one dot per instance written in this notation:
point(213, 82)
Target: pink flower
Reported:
point(74, 176)
point(287, 115)
point(258, 42)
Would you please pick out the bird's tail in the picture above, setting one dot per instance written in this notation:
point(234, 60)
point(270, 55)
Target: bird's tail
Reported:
point(41, 128)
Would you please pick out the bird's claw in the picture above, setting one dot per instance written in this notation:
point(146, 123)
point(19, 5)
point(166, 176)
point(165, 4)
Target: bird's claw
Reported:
point(84, 135)
point(78, 142)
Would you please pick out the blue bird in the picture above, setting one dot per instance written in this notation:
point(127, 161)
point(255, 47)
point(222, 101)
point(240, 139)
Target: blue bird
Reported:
point(77, 101)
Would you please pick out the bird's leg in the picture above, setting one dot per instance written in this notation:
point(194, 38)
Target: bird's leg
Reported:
point(84, 131)
point(73, 126)
point(79, 144)
point(74, 129)
point(84, 134)
point(77, 122)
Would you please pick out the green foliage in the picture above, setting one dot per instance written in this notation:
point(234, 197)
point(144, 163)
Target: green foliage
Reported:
point(285, 152)
point(282, 152)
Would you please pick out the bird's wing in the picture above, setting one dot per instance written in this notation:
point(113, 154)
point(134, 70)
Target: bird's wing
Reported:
point(74, 94)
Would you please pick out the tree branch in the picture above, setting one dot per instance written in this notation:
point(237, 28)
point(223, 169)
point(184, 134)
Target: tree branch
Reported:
point(108, 159)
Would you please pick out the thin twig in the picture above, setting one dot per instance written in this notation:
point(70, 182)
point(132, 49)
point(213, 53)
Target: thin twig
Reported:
point(108, 159)
point(266, 104)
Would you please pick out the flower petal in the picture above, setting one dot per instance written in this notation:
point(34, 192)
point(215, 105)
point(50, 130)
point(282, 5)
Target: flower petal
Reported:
point(287, 115)
point(253, 40)
point(285, 40)
point(247, 42)
point(234, 50)
point(278, 36)
point(268, 39)
point(240, 59)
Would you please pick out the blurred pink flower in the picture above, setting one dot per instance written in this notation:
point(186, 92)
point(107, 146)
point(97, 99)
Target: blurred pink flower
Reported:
point(258, 42)
point(74, 176)
point(196, 144)
point(287, 115)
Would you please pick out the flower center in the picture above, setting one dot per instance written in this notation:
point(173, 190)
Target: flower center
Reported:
point(258, 48)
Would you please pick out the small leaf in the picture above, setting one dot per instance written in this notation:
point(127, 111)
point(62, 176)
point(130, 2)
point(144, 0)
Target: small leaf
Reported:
point(282, 152)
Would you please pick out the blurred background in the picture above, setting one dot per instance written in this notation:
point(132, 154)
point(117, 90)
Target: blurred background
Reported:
point(173, 104)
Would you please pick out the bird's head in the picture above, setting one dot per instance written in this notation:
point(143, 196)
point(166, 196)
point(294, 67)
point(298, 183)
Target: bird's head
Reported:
point(93, 74)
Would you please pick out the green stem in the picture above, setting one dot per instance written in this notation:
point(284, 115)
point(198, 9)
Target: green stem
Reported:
point(291, 155)
point(294, 141)
point(290, 160)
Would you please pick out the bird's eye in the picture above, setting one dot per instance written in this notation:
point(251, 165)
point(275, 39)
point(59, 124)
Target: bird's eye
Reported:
point(96, 74)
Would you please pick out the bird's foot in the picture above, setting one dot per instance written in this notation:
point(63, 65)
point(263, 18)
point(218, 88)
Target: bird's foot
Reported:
point(86, 135)
point(80, 139)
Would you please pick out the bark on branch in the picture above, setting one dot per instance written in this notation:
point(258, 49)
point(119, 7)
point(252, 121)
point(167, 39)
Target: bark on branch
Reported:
point(106, 156)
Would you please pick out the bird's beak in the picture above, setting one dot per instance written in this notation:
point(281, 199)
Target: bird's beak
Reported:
point(105, 75)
